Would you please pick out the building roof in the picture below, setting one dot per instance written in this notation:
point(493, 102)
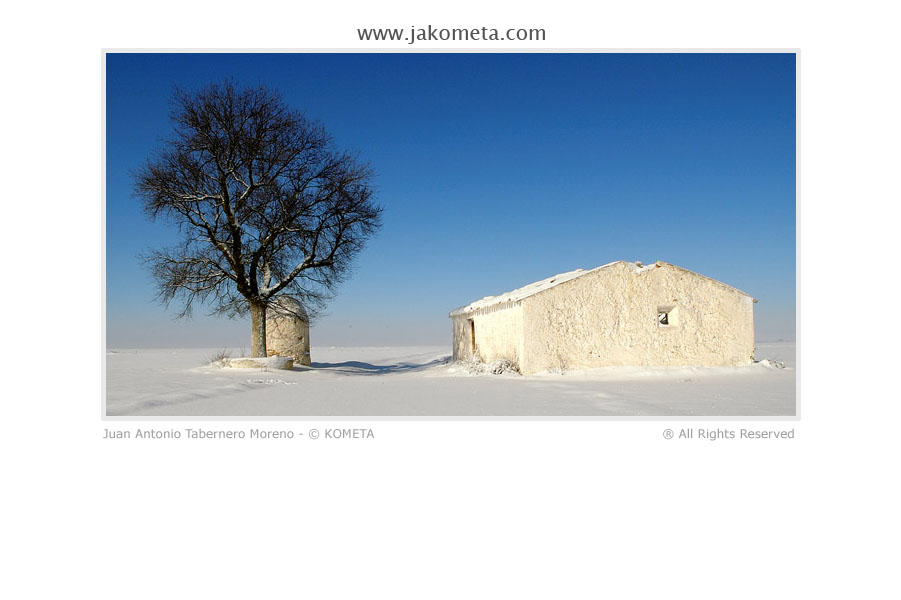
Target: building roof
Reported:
point(546, 284)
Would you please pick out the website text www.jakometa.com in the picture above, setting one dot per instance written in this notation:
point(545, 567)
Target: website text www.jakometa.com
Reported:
point(414, 34)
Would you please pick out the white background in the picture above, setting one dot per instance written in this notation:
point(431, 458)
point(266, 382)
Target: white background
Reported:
point(452, 509)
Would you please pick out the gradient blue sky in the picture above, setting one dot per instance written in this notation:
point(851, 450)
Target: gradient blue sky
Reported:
point(495, 170)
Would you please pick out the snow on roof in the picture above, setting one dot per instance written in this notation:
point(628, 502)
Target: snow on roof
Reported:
point(546, 284)
point(525, 291)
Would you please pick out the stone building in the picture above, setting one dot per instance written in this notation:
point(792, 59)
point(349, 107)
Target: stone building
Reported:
point(288, 330)
point(621, 313)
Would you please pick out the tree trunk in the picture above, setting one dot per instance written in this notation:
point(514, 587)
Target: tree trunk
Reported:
point(257, 330)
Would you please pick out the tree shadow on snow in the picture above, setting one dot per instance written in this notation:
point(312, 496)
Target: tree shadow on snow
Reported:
point(364, 368)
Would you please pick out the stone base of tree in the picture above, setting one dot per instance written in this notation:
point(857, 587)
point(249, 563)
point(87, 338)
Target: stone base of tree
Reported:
point(271, 362)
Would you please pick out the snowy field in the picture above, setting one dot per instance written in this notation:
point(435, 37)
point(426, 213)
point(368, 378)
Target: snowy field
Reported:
point(422, 381)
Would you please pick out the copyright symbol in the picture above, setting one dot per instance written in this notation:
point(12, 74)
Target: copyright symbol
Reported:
point(668, 434)
point(314, 433)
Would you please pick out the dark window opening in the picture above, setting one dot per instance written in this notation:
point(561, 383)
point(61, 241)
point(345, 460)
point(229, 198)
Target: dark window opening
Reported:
point(668, 316)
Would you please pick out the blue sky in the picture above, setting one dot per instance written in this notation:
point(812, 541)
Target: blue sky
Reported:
point(495, 170)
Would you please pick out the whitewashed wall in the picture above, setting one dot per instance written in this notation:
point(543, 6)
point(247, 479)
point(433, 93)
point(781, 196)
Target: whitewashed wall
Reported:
point(498, 334)
point(609, 317)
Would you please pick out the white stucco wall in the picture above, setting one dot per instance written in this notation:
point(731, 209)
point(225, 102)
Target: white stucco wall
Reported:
point(608, 317)
point(498, 334)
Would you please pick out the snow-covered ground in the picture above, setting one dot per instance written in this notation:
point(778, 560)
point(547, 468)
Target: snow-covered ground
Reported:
point(422, 381)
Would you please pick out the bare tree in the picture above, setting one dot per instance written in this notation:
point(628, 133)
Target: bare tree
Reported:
point(267, 205)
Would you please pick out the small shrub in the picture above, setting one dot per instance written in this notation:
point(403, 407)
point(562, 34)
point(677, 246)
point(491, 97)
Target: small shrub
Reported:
point(560, 365)
point(773, 364)
point(472, 365)
point(221, 358)
point(499, 366)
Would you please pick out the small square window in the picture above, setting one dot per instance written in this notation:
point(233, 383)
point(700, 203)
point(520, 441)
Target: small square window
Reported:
point(668, 316)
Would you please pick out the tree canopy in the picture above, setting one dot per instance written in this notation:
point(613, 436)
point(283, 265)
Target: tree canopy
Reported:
point(266, 203)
